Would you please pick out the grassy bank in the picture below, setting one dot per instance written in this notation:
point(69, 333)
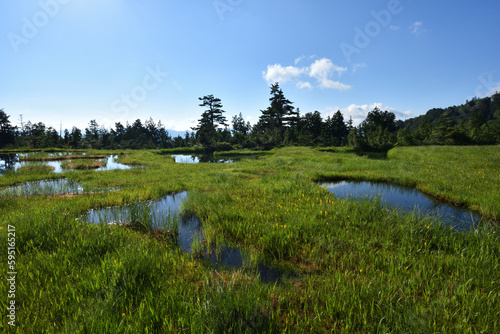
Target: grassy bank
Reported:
point(350, 266)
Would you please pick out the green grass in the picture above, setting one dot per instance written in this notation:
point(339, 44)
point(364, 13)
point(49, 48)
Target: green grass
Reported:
point(83, 164)
point(355, 266)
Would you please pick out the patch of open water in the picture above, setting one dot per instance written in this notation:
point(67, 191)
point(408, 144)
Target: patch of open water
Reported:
point(166, 213)
point(45, 187)
point(11, 162)
point(195, 159)
point(407, 199)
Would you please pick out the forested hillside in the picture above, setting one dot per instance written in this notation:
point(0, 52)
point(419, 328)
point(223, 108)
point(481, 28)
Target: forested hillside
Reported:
point(475, 122)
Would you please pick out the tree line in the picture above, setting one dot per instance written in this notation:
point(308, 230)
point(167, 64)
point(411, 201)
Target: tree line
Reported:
point(477, 122)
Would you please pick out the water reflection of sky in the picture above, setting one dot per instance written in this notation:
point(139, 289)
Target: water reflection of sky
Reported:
point(45, 187)
point(407, 199)
point(11, 161)
point(190, 229)
point(195, 159)
point(112, 164)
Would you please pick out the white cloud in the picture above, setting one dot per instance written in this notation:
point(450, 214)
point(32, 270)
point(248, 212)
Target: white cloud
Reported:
point(324, 67)
point(359, 112)
point(417, 28)
point(181, 125)
point(278, 73)
point(303, 85)
point(322, 70)
point(330, 84)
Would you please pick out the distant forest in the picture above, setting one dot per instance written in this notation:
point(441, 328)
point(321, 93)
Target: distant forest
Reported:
point(477, 122)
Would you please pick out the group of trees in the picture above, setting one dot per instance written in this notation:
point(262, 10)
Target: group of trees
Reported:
point(282, 124)
point(475, 122)
point(135, 136)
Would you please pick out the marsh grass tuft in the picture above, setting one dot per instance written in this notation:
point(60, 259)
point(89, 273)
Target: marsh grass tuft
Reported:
point(83, 164)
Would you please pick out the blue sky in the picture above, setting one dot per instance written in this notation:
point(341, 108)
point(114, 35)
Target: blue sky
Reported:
point(72, 61)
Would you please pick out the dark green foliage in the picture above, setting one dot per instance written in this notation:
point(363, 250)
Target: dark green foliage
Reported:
point(475, 122)
point(377, 132)
point(310, 128)
point(7, 131)
point(404, 138)
point(207, 132)
point(239, 125)
point(335, 130)
point(280, 114)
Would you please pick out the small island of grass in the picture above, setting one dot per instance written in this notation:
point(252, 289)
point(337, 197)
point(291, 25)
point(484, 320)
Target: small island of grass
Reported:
point(83, 164)
point(36, 169)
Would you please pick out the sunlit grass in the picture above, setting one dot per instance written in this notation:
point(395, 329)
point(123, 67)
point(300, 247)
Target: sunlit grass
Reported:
point(83, 164)
point(356, 266)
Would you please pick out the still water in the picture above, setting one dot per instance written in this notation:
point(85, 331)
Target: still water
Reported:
point(195, 159)
point(46, 187)
point(190, 230)
point(404, 198)
point(11, 162)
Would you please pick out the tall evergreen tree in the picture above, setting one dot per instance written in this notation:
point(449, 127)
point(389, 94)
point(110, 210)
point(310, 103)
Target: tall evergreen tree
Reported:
point(7, 131)
point(239, 125)
point(211, 119)
point(335, 130)
point(280, 114)
point(214, 113)
point(310, 128)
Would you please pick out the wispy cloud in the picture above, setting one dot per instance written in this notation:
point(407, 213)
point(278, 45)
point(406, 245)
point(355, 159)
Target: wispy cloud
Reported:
point(394, 28)
point(322, 71)
point(298, 60)
point(417, 28)
point(355, 67)
point(304, 85)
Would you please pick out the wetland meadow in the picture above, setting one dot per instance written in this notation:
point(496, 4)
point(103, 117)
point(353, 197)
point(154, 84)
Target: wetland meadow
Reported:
point(258, 244)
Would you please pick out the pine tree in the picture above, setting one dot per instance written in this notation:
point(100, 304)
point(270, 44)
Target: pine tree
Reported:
point(206, 130)
point(280, 114)
point(336, 130)
point(7, 131)
point(214, 112)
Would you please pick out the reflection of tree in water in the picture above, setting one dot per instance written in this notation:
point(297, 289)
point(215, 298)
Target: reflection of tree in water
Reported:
point(8, 161)
point(209, 157)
